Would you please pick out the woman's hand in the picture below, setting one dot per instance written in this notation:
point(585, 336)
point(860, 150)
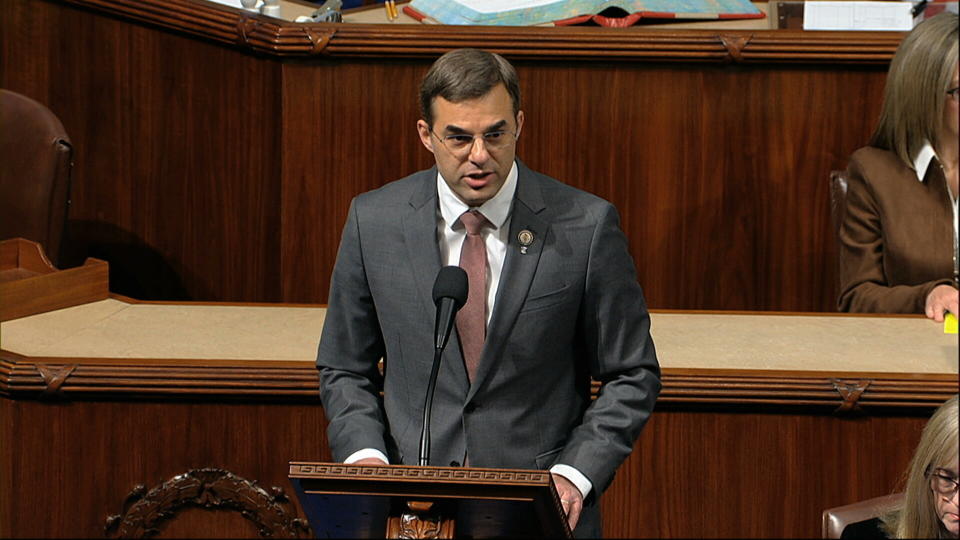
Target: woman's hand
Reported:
point(942, 298)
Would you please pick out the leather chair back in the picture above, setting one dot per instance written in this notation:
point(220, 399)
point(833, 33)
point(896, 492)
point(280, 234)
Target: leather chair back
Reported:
point(836, 519)
point(838, 210)
point(838, 200)
point(35, 163)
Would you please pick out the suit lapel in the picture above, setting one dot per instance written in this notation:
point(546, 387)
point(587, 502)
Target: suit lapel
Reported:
point(420, 237)
point(518, 271)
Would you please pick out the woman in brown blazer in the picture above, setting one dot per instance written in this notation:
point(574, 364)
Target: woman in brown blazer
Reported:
point(898, 238)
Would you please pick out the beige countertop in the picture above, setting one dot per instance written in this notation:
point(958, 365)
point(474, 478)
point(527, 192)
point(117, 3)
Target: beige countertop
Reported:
point(116, 329)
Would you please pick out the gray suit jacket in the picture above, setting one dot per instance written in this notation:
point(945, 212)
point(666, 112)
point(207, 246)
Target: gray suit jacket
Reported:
point(568, 309)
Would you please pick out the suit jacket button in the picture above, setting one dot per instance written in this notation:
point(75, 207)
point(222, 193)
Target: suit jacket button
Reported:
point(454, 463)
point(470, 408)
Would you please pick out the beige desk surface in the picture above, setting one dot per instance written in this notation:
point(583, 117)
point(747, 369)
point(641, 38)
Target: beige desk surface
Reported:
point(115, 329)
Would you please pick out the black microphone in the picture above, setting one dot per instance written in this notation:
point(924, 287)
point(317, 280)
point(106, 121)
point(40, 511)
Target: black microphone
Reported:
point(449, 295)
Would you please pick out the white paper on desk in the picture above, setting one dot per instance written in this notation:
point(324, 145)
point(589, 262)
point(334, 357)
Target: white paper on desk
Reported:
point(893, 16)
point(231, 3)
point(497, 6)
point(237, 4)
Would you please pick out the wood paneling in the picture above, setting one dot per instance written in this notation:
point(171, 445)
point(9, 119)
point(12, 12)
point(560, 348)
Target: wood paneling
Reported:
point(66, 466)
point(358, 121)
point(697, 471)
point(176, 181)
point(709, 474)
point(720, 173)
point(216, 153)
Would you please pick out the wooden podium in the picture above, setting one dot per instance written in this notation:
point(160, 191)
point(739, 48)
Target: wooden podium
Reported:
point(405, 501)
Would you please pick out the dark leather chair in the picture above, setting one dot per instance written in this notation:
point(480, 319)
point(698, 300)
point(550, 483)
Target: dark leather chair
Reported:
point(836, 519)
point(838, 200)
point(838, 210)
point(35, 163)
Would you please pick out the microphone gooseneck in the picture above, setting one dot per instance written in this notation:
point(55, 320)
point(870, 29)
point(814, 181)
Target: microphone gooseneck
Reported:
point(449, 295)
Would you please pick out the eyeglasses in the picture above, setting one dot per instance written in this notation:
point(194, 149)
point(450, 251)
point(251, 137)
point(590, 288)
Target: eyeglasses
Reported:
point(942, 483)
point(460, 144)
point(954, 93)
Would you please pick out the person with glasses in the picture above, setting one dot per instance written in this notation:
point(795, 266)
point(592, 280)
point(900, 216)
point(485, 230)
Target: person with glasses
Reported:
point(553, 302)
point(930, 502)
point(898, 237)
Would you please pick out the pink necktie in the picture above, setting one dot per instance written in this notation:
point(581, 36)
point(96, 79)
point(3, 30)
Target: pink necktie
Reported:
point(472, 318)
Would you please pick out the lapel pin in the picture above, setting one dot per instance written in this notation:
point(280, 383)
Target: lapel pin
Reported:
point(525, 237)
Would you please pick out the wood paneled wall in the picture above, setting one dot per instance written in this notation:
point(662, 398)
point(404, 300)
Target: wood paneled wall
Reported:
point(213, 169)
point(695, 473)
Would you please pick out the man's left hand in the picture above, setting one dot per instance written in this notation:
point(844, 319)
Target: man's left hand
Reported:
point(570, 498)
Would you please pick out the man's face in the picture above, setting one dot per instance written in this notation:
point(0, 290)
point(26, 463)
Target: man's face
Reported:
point(477, 170)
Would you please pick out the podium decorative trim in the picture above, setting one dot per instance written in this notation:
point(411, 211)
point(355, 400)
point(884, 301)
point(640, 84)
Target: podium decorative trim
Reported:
point(144, 512)
point(432, 474)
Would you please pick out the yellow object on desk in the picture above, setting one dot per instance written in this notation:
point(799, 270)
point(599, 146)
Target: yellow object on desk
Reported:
point(391, 8)
point(950, 324)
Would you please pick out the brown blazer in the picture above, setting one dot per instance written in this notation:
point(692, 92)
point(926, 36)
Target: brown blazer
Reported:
point(896, 239)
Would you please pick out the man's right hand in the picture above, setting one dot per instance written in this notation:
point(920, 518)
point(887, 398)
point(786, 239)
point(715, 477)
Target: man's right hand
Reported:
point(369, 461)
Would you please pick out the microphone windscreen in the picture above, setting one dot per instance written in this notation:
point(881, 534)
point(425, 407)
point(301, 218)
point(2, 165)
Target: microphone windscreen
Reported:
point(451, 283)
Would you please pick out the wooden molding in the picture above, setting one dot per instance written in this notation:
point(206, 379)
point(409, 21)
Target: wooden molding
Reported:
point(87, 378)
point(279, 38)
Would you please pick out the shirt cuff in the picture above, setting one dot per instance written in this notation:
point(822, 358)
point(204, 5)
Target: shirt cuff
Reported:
point(368, 453)
point(574, 476)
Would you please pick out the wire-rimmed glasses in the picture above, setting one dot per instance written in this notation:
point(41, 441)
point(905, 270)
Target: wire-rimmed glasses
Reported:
point(460, 144)
point(942, 482)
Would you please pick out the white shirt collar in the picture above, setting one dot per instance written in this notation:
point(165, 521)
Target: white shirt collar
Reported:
point(496, 210)
point(922, 162)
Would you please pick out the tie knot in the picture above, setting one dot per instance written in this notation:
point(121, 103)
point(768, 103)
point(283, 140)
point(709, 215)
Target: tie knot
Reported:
point(473, 221)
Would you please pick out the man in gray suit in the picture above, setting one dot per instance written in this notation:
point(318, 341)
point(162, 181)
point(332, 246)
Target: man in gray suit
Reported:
point(554, 301)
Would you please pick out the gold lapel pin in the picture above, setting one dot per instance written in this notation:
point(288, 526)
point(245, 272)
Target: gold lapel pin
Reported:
point(525, 237)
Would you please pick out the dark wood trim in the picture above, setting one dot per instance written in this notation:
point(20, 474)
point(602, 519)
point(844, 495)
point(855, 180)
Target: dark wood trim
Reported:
point(85, 378)
point(286, 39)
point(129, 300)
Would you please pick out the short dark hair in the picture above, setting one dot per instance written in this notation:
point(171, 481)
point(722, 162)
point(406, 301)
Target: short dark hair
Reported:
point(463, 74)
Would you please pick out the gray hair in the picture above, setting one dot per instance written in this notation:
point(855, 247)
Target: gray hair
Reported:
point(919, 76)
point(464, 74)
point(918, 518)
